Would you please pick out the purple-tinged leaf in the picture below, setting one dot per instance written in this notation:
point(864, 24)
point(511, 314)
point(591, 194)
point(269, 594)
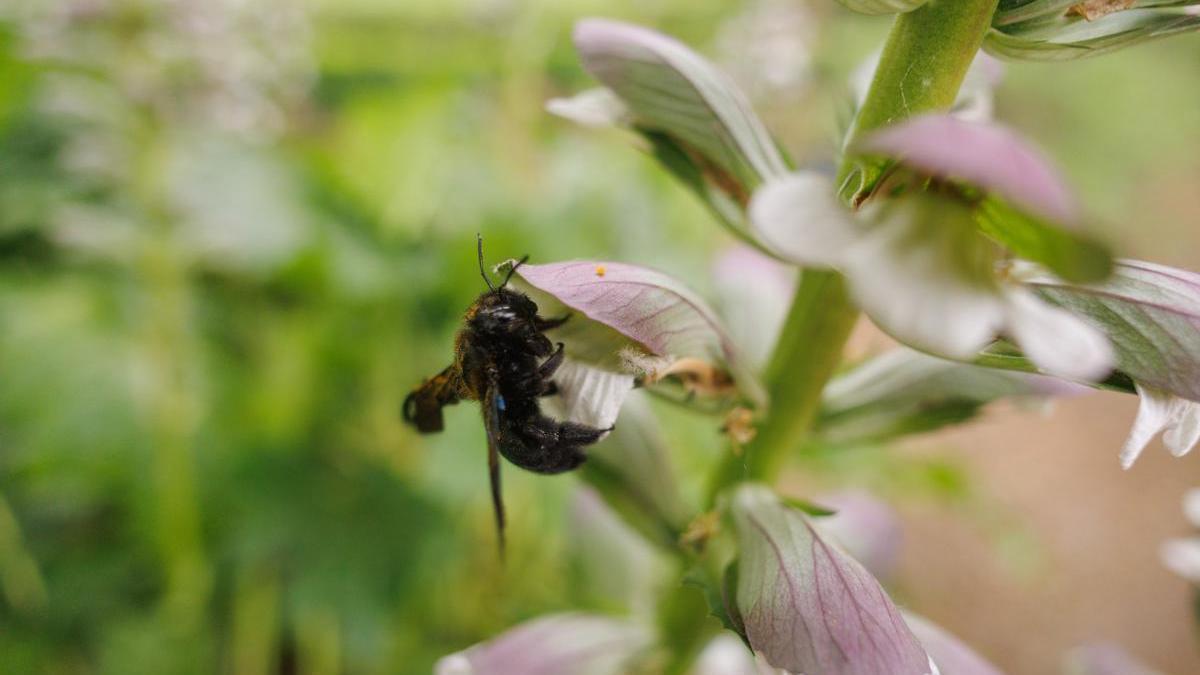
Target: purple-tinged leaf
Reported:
point(1104, 658)
point(1151, 315)
point(673, 90)
point(559, 644)
point(807, 606)
point(989, 156)
point(637, 307)
point(866, 527)
point(951, 656)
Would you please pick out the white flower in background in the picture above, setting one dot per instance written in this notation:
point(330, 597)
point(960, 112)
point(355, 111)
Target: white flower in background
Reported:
point(866, 527)
point(558, 644)
point(1103, 658)
point(768, 48)
point(918, 265)
point(726, 655)
point(1182, 556)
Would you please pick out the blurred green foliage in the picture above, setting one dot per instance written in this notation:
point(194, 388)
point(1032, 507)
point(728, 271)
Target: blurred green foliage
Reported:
point(234, 235)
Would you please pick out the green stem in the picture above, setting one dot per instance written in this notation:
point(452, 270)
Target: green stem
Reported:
point(921, 70)
point(922, 67)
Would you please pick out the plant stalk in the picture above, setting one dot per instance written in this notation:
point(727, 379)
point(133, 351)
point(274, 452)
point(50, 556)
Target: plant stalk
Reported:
point(921, 69)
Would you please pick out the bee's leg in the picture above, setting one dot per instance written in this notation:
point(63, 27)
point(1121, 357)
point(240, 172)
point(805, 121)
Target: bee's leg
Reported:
point(551, 364)
point(539, 345)
point(550, 324)
point(549, 388)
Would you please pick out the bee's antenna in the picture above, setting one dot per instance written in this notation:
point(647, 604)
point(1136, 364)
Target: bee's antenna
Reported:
point(512, 270)
point(482, 272)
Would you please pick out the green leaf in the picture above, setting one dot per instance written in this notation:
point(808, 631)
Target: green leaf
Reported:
point(1071, 255)
point(718, 591)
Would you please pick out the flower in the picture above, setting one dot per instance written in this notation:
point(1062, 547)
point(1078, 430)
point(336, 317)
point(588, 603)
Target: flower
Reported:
point(558, 644)
point(806, 605)
point(1182, 556)
point(1160, 411)
point(1102, 658)
point(919, 265)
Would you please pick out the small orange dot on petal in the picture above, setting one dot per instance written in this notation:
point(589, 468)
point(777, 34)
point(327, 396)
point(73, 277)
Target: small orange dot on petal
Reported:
point(600, 270)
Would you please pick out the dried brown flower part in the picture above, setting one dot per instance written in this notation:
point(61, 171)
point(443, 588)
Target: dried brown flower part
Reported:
point(702, 528)
point(1095, 9)
point(739, 427)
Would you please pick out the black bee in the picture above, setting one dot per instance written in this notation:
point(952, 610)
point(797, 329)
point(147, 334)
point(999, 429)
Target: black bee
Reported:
point(503, 359)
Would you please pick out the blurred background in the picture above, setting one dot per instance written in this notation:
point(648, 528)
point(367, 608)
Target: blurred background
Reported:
point(234, 234)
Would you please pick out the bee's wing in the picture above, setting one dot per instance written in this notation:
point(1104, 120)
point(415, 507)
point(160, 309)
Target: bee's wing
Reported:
point(423, 407)
point(492, 405)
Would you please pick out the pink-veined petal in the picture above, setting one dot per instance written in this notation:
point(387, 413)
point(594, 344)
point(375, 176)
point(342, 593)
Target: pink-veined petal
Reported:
point(807, 606)
point(990, 156)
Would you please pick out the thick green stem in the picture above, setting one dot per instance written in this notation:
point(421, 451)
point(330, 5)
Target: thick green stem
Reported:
point(922, 67)
point(921, 70)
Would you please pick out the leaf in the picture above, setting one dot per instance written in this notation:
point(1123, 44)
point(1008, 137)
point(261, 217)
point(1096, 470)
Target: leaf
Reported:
point(1071, 255)
point(904, 391)
point(672, 89)
point(1073, 38)
point(1151, 315)
point(989, 156)
point(882, 6)
point(951, 655)
point(618, 306)
point(557, 644)
point(806, 605)
point(697, 123)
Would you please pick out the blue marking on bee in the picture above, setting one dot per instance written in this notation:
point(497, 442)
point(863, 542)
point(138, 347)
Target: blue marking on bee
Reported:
point(500, 403)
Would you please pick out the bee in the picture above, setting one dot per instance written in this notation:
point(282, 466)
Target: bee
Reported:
point(503, 359)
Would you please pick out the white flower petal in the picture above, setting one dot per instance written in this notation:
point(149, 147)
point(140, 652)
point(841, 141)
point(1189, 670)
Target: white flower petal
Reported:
point(1185, 433)
point(556, 644)
point(1191, 506)
point(799, 216)
point(912, 274)
point(598, 107)
point(1182, 556)
point(590, 395)
point(1059, 342)
point(1158, 411)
